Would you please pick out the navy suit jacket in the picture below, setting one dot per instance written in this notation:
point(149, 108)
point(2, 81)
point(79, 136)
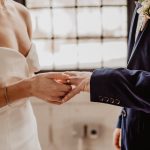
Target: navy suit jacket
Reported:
point(130, 88)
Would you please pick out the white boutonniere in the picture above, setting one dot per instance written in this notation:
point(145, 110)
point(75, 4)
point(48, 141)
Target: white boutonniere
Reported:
point(144, 12)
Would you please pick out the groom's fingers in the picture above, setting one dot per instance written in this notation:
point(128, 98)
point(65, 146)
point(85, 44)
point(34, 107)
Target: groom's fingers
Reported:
point(71, 73)
point(71, 94)
point(75, 80)
point(57, 75)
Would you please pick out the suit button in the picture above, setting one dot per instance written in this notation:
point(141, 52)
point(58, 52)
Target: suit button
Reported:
point(112, 100)
point(124, 113)
point(106, 99)
point(101, 98)
point(117, 101)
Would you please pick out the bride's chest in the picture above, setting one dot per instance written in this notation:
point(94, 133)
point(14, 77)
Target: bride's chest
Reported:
point(13, 34)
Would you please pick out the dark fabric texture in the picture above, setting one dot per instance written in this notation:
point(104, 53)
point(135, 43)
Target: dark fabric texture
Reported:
point(129, 88)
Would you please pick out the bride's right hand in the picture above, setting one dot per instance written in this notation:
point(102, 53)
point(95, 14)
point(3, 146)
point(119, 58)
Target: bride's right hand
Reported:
point(46, 87)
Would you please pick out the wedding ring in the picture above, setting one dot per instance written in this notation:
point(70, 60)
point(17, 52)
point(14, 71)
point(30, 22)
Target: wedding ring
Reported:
point(62, 101)
point(68, 81)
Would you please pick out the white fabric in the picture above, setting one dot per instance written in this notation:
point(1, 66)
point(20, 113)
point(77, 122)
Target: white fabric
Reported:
point(18, 129)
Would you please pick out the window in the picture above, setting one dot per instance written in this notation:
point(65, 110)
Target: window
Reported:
point(79, 34)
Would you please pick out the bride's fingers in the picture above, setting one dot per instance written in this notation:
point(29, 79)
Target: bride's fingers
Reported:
point(62, 81)
point(54, 100)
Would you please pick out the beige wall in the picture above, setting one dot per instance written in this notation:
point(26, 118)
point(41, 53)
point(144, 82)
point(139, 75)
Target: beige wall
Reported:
point(69, 126)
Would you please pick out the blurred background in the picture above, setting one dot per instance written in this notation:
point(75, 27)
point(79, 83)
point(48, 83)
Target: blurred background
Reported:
point(79, 35)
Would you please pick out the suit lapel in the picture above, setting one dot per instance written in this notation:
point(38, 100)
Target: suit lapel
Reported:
point(133, 45)
point(137, 43)
point(132, 31)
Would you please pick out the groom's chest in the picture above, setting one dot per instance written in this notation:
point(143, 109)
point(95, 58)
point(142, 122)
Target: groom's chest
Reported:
point(139, 44)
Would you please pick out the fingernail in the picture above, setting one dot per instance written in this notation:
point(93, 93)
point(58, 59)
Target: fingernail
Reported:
point(68, 81)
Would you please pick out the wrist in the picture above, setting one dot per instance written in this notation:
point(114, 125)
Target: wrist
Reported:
point(87, 85)
point(19, 90)
point(2, 98)
point(27, 87)
point(32, 83)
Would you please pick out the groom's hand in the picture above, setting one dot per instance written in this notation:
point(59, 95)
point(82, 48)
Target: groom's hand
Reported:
point(80, 81)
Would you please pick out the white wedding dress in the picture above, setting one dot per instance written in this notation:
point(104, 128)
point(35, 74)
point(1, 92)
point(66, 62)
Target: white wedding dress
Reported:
point(18, 129)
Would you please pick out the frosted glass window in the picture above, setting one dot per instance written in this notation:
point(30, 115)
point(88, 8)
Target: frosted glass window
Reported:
point(45, 54)
point(41, 21)
point(79, 34)
point(89, 54)
point(89, 2)
point(63, 3)
point(64, 22)
point(114, 53)
point(114, 2)
point(114, 21)
point(89, 22)
point(37, 3)
point(65, 56)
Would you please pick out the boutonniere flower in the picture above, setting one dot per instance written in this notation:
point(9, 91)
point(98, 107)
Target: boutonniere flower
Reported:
point(144, 12)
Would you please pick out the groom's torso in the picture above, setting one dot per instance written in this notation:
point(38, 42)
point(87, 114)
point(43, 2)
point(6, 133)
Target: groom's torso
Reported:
point(139, 47)
point(136, 124)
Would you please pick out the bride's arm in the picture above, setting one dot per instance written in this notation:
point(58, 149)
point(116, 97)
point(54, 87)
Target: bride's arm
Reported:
point(42, 86)
point(14, 92)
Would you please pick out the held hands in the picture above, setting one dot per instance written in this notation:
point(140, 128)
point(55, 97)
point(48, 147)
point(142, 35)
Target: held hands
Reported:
point(80, 81)
point(50, 87)
point(58, 88)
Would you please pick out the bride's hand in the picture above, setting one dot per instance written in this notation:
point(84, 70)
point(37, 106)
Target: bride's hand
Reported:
point(46, 86)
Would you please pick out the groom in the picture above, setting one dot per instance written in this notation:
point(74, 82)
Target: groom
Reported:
point(128, 87)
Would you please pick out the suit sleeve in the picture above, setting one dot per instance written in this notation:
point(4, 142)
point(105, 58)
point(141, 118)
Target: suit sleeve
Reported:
point(121, 87)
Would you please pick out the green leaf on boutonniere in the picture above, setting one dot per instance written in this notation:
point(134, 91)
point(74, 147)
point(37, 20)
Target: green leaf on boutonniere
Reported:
point(141, 1)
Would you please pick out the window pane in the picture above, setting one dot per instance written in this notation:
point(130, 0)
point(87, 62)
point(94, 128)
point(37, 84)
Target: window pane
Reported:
point(37, 3)
point(65, 54)
point(89, 2)
point(44, 53)
point(89, 54)
point(114, 53)
point(78, 33)
point(114, 21)
point(89, 22)
point(41, 21)
point(63, 2)
point(64, 22)
point(114, 2)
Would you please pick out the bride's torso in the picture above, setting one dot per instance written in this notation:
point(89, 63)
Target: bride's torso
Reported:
point(17, 121)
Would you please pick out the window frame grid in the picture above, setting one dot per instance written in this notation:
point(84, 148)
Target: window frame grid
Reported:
point(77, 38)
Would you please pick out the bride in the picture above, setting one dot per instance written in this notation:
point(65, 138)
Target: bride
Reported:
point(18, 59)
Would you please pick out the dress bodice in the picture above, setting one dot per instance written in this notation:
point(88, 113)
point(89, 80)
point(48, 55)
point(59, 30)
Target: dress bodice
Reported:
point(18, 128)
point(14, 66)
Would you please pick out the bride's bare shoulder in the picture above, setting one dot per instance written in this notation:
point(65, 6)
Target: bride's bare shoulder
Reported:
point(21, 9)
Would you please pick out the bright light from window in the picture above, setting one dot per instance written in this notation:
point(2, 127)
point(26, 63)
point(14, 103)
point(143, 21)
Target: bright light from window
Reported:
point(80, 34)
